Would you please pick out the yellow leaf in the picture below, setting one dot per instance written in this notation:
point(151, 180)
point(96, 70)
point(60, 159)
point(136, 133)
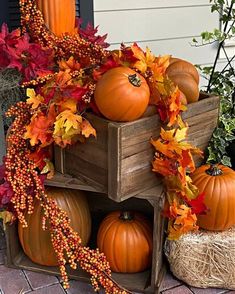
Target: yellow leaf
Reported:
point(33, 99)
point(66, 128)
point(48, 169)
point(7, 217)
point(181, 134)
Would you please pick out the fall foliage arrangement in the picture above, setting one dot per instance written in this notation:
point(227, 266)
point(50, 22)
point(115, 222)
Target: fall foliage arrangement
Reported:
point(67, 71)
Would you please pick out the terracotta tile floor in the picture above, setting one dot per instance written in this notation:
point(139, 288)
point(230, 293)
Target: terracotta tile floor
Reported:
point(13, 281)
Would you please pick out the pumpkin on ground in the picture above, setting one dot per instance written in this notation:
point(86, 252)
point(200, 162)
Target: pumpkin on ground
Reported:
point(126, 240)
point(59, 15)
point(121, 94)
point(218, 184)
point(36, 242)
point(185, 75)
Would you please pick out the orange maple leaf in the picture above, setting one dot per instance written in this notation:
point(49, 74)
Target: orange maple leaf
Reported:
point(145, 59)
point(67, 104)
point(63, 79)
point(40, 128)
point(87, 129)
point(182, 220)
point(69, 65)
point(159, 67)
point(164, 166)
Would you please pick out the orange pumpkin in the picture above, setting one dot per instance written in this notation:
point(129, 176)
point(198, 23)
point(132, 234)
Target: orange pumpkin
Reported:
point(36, 242)
point(185, 75)
point(218, 183)
point(59, 15)
point(122, 94)
point(126, 240)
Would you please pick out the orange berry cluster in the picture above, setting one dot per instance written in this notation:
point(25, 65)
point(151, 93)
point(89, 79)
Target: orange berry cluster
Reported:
point(27, 185)
point(64, 46)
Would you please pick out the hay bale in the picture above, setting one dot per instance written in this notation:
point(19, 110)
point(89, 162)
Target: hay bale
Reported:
point(204, 259)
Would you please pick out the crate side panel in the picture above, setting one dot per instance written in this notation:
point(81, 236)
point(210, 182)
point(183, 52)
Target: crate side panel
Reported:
point(77, 167)
point(89, 152)
point(136, 182)
point(204, 105)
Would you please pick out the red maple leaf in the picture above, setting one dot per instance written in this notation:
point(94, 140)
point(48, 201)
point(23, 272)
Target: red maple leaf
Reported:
point(109, 63)
point(197, 205)
point(89, 33)
point(39, 157)
point(6, 193)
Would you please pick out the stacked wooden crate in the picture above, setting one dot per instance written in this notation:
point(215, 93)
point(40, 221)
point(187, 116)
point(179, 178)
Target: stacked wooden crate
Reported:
point(115, 170)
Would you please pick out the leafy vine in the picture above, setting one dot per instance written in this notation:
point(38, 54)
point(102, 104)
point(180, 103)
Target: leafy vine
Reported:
point(59, 86)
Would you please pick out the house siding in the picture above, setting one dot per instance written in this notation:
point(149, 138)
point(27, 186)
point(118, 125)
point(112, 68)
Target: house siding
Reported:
point(165, 26)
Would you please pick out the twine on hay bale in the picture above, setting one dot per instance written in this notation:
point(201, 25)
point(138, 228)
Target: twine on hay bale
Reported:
point(204, 259)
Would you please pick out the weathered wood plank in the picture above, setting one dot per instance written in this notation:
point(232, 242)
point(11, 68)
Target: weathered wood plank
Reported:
point(199, 119)
point(67, 181)
point(114, 161)
point(204, 105)
point(135, 182)
point(90, 152)
point(78, 167)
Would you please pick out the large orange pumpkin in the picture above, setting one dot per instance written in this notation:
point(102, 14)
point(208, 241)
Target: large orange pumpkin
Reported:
point(122, 94)
point(185, 75)
point(59, 15)
point(126, 240)
point(218, 183)
point(36, 242)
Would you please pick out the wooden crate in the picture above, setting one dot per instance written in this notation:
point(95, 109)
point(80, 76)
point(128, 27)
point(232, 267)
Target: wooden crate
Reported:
point(144, 282)
point(118, 162)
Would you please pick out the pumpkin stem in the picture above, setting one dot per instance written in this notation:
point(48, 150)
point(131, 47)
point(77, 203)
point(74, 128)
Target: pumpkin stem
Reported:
point(214, 170)
point(126, 216)
point(134, 80)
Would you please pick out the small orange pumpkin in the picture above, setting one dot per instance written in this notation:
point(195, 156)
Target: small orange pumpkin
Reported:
point(36, 242)
point(59, 15)
point(185, 75)
point(126, 240)
point(218, 184)
point(122, 94)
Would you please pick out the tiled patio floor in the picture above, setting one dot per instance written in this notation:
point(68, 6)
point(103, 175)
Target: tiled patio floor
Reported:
point(14, 281)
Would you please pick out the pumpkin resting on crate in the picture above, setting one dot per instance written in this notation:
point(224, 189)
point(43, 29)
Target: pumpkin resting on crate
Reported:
point(122, 94)
point(59, 15)
point(126, 240)
point(185, 75)
point(36, 242)
point(218, 184)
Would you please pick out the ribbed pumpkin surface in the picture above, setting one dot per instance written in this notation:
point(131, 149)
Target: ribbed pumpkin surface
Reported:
point(118, 98)
point(59, 15)
point(127, 244)
point(219, 197)
point(36, 243)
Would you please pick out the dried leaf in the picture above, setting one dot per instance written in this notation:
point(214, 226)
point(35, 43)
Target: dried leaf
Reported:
point(7, 217)
point(34, 99)
point(87, 129)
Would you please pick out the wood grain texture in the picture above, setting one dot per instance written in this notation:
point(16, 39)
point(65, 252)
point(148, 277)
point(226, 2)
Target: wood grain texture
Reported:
point(119, 160)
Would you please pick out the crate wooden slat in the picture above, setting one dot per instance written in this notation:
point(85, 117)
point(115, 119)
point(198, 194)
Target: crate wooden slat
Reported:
point(144, 282)
point(119, 160)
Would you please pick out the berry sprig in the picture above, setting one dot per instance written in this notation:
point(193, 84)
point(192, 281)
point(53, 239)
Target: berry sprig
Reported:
point(64, 46)
point(26, 183)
